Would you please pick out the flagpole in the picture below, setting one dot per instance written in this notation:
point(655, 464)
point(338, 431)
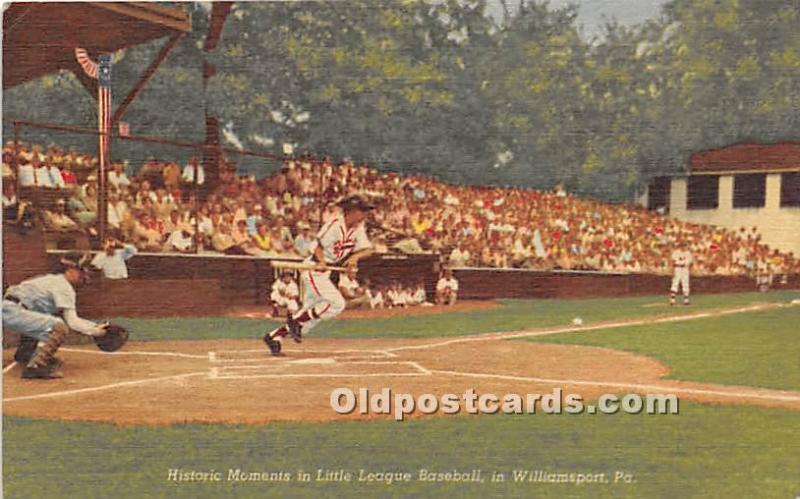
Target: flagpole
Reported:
point(104, 129)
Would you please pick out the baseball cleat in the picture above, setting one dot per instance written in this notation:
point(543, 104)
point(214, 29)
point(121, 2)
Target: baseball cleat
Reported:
point(295, 329)
point(41, 372)
point(273, 345)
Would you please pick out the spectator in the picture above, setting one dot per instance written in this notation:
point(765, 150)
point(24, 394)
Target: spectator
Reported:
point(222, 242)
point(68, 176)
point(16, 211)
point(58, 220)
point(112, 260)
point(56, 180)
point(176, 222)
point(262, 238)
point(26, 175)
point(181, 241)
point(42, 173)
point(189, 172)
point(117, 178)
point(304, 240)
point(254, 219)
point(171, 174)
point(460, 256)
point(83, 208)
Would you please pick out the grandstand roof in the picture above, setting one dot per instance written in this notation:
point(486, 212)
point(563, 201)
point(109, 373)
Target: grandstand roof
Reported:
point(748, 157)
point(40, 38)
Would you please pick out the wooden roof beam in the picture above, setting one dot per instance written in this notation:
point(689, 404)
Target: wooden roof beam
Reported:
point(148, 73)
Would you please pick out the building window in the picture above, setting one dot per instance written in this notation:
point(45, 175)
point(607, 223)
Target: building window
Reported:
point(790, 190)
point(658, 193)
point(702, 192)
point(749, 190)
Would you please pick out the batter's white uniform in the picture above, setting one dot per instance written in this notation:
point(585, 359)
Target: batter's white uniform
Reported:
point(320, 295)
point(285, 295)
point(681, 261)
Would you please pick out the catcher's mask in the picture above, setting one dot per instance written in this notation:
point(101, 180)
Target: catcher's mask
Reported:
point(79, 262)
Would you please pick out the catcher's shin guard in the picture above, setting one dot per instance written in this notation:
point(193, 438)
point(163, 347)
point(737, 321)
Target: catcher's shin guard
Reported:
point(43, 363)
point(25, 350)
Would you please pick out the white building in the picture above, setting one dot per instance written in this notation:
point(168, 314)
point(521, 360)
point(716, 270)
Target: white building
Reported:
point(744, 185)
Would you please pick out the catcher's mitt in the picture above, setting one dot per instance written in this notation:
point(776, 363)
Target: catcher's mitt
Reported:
point(113, 340)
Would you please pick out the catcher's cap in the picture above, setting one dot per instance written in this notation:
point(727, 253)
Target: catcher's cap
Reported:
point(355, 202)
point(76, 260)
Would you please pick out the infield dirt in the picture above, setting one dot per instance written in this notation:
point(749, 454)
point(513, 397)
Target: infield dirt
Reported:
point(238, 382)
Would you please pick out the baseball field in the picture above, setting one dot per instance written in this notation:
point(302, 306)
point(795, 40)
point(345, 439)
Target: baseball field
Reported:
point(197, 408)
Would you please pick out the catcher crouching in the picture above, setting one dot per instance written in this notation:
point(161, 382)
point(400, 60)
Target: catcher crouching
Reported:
point(43, 310)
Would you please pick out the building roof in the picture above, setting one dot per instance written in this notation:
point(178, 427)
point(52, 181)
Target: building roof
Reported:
point(41, 38)
point(747, 157)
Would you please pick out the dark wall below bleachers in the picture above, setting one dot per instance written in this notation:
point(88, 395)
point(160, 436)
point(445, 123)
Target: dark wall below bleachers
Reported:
point(180, 285)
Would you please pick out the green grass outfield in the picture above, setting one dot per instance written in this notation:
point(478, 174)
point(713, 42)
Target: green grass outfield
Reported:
point(512, 315)
point(705, 451)
point(753, 349)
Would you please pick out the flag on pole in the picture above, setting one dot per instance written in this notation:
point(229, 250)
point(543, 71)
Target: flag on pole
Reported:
point(102, 72)
point(104, 106)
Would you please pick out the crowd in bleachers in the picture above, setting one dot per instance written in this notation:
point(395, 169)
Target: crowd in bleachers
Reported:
point(157, 210)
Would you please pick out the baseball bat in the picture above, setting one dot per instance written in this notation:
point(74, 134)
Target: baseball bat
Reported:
point(302, 266)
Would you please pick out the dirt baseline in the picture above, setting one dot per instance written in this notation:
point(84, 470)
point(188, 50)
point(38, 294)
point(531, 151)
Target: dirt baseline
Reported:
point(237, 381)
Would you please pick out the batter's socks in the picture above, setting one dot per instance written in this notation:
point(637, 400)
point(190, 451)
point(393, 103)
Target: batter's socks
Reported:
point(279, 333)
point(686, 299)
point(305, 316)
point(672, 298)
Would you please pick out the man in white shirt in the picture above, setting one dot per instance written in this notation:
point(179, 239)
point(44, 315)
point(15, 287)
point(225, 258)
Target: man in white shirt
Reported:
point(117, 176)
point(26, 175)
point(181, 241)
point(112, 259)
point(56, 179)
point(188, 172)
point(354, 294)
point(42, 174)
point(304, 240)
point(447, 289)
point(460, 256)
